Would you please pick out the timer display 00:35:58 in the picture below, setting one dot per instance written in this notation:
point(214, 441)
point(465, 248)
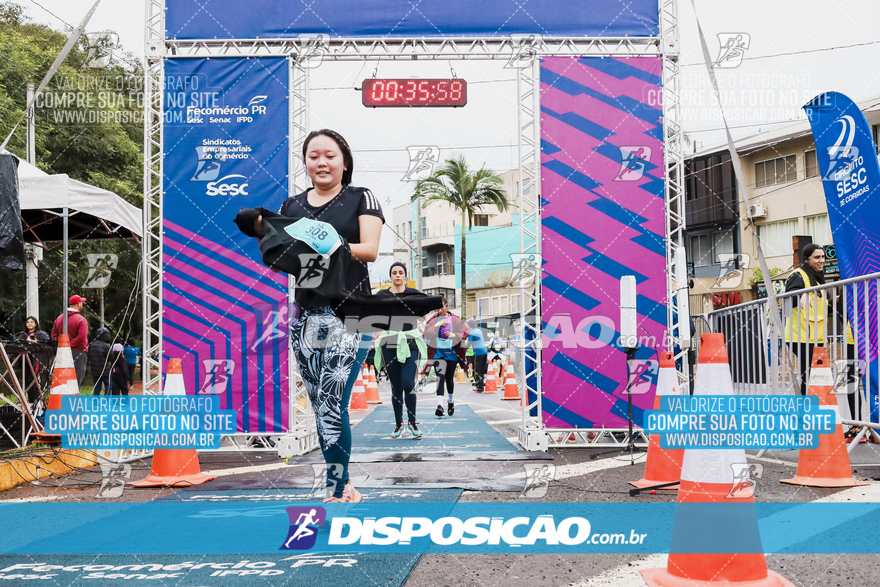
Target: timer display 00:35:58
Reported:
point(414, 92)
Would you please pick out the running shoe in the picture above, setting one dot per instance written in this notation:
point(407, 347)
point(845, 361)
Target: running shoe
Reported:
point(439, 412)
point(450, 409)
point(414, 430)
point(397, 431)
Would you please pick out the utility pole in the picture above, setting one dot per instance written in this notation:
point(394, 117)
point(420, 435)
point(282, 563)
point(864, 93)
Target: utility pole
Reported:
point(419, 244)
point(33, 253)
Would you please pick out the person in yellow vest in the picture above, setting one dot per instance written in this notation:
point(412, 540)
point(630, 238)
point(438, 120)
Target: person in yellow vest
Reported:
point(805, 328)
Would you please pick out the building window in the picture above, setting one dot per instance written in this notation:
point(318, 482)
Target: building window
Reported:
point(424, 223)
point(722, 244)
point(875, 132)
point(811, 163)
point(776, 237)
point(481, 220)
point(446, 292)
point(819, 228)
point(484, 306)
point(700, 250)
point(773, 171)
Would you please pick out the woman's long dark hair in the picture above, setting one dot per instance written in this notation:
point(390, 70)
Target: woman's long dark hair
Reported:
point(806, 253)
point(343, 146)
point(34, 318)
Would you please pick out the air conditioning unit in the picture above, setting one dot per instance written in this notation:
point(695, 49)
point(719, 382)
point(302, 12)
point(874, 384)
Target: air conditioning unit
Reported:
point(758, 210)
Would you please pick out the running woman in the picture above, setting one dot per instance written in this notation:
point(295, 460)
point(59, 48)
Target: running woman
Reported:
point(328, 355)
point(402, 352)
point(445, 331)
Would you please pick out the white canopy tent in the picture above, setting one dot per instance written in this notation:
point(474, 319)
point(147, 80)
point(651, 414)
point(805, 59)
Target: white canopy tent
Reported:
point(58, 208)
point(102, 213)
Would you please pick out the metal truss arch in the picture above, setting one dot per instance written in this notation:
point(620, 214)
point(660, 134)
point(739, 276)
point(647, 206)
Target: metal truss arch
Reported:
point(521, 52)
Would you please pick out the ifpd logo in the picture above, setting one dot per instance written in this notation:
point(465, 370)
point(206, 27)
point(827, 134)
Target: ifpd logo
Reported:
point(304, 524)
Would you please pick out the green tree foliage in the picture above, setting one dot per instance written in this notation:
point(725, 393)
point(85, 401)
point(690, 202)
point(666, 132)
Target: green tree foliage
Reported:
point(467, 192)
point(88, 126)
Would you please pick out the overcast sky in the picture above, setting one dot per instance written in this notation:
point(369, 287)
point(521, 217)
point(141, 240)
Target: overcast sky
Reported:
point(797, 49)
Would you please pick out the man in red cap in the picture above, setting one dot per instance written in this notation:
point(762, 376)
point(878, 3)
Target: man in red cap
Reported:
point(78, 331)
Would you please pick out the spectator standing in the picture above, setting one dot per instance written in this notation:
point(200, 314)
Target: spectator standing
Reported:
point(119, 375)
point(99, 360)
point(78, 333)
point(32, 332)
point(132, 355)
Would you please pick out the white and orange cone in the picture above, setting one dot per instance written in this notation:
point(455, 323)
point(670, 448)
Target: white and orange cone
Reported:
point(63, 383)
point(707, 477)
point(63, 375)
point(372, 388)
point(491, 384)
point(174, 467)
point(511, 391)
point(827, 465)
point(359, 396)
point(663, 465)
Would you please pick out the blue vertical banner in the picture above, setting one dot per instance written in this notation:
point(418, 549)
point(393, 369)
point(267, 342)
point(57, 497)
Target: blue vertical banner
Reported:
point(851, 178)
point(224, 313)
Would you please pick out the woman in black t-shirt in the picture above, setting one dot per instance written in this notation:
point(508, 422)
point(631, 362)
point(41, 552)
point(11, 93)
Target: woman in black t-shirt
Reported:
point(328, 355)
point(401, 351)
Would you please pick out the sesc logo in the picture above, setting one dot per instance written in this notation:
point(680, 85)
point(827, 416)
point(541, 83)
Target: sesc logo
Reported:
point(226, 186)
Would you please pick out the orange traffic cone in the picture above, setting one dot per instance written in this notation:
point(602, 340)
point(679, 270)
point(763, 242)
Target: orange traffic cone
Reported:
point(372, 375)
point(174, 467)
point(510, 389)
point(708, 477)
point(828, 465)
point(459, 375)
point(63, 383)
point(359, 397)
point(372, 388)
point(491, 385)
point(663, 465)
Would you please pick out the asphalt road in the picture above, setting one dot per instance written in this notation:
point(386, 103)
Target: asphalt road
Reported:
point(578, 480)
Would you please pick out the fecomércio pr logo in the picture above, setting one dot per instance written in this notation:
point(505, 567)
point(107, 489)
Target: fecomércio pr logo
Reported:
point(304, 524)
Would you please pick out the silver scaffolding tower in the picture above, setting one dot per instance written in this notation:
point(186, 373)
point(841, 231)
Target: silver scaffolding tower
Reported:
point(524, 53)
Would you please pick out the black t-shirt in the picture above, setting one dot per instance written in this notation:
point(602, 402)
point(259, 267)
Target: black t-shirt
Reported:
point(342, 213)
point(401, 323)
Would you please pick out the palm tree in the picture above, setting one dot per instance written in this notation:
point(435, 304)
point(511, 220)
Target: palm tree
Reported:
point(466, 191)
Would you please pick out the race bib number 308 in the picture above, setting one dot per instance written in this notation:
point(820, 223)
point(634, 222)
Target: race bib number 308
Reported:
point(319, 235)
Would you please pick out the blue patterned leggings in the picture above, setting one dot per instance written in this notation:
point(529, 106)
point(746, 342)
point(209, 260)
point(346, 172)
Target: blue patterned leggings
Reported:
point(327, 355)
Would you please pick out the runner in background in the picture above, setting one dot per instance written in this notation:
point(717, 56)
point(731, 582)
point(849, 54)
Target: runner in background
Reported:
point(496, 351)
point(481, 362)
point(401, 352)
point(445, 332)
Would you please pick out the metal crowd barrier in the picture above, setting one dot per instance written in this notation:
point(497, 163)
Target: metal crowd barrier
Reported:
point(766, 361)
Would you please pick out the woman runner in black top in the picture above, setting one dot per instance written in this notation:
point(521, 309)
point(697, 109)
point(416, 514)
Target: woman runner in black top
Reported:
point(328, 355)
point(401, 351)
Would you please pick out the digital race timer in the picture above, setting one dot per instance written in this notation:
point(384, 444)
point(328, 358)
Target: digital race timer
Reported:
point(414, 92)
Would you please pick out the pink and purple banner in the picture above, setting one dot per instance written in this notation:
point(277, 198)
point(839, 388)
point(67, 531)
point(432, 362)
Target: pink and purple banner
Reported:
point(603, 217)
